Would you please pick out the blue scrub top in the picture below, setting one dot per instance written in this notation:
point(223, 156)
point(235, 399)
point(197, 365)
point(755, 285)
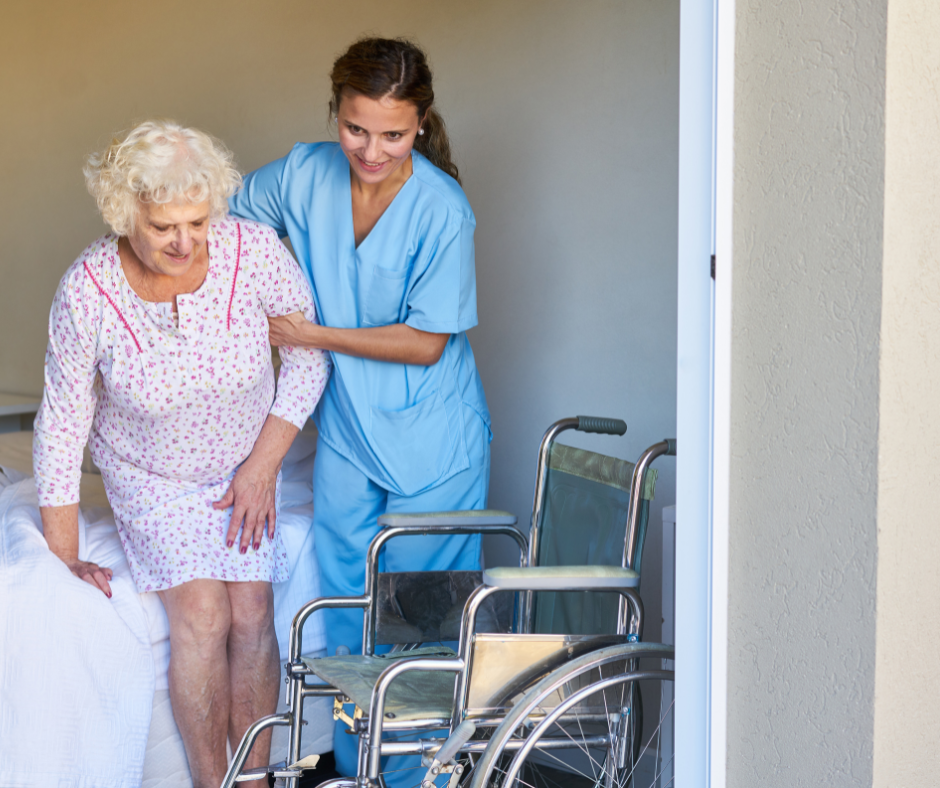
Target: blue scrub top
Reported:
point(402, 425)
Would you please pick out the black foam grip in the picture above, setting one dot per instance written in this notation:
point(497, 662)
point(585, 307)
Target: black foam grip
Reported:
point(604, 426)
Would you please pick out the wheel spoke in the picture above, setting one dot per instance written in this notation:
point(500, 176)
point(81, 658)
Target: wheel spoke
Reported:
point(645, 747)
point(580, 746)
point(568, 766)
point(598, 750)
point(578, 719)
point(519, 780)
point(652, 784)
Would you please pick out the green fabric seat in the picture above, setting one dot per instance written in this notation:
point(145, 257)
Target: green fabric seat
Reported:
point(413, 696)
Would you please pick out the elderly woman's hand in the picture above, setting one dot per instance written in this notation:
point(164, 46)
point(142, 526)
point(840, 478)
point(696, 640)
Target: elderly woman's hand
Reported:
point(252, 491)
point(94, 575)
point(252, 498)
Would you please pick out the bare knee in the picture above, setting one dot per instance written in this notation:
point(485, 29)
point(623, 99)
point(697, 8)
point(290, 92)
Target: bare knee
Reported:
point(200, 616)
point(252, 606)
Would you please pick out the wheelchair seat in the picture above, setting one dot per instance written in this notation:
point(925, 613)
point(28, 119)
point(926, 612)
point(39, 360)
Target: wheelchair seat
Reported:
point(414, 696)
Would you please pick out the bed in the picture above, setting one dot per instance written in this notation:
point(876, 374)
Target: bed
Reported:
point(83, 679)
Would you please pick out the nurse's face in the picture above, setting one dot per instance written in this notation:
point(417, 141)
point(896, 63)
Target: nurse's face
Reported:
point(376, 135)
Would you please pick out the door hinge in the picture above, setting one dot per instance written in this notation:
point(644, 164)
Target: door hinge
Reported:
point(713, 266)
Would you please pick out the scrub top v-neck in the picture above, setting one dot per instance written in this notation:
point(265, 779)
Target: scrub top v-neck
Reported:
point(402, 425)
point(387, 215)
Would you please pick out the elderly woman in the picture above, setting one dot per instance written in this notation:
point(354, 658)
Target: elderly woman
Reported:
point(158, 347)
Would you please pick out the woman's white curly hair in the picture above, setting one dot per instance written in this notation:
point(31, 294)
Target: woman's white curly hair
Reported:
point(160, 162)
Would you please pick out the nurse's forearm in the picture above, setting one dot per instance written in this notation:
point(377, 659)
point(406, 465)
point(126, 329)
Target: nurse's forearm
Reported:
point(398, 343)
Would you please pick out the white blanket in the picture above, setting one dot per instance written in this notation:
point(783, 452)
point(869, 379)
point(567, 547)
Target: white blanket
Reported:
point(80, 673)
point(77, 682)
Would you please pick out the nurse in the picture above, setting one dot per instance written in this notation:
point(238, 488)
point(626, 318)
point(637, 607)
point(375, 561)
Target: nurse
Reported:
point(385, 233)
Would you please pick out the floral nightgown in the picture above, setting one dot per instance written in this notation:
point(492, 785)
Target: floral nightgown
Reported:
point(174, 404)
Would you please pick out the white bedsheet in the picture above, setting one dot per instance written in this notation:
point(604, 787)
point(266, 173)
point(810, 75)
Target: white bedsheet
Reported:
point(101, 664)
point(77, 679)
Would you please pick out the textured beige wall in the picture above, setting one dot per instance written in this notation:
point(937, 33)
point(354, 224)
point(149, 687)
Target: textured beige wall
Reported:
point(565, 120)
point(907, 702)
point(804, 476)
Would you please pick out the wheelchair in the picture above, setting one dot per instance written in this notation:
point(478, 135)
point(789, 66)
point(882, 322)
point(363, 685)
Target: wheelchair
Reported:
point(544, 686)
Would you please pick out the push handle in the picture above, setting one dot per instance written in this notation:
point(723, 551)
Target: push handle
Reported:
point(671, 443)
point(604, 426)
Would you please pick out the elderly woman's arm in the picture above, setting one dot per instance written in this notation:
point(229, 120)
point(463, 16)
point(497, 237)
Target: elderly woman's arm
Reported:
point(63, 423)
point(282, 289)
point(60, 527)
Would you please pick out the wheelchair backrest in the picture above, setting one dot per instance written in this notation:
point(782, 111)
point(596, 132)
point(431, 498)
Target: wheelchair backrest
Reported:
point(583, 521)
point(426, 607)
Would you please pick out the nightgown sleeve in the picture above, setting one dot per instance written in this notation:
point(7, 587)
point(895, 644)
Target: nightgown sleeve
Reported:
point(283, 289)
point(68, 401)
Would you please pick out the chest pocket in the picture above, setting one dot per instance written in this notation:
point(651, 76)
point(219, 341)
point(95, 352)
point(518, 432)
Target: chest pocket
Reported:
point(385, 296)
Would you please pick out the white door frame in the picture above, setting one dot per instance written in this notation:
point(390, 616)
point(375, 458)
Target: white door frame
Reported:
point(706, 107)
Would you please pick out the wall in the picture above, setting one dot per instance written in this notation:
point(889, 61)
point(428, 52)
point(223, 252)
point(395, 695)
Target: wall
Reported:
point(907, 718)
point(808, 201)
point(564, 118)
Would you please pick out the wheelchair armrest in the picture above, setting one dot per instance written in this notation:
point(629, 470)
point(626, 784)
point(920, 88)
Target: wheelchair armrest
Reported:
point(320, 603)
point(561, 578)
point(470, 517)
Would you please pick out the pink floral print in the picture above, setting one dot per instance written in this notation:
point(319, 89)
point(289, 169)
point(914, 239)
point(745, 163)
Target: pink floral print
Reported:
point(174, 403)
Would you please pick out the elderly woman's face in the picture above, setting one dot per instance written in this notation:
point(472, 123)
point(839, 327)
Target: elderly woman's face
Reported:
point(169, 237)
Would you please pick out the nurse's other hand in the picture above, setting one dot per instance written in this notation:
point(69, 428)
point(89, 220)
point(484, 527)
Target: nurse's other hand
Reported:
point(292, 330)
point(94, 575)
point(251, 496)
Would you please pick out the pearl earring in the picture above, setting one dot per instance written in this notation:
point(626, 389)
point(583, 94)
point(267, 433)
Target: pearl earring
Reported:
point(421, 132)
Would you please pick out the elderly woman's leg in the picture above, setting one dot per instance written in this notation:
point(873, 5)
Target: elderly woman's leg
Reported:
point(254, 667)
point(200, 618)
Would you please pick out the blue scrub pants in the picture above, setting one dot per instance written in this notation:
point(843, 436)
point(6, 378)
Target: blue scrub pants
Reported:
point(346, 507)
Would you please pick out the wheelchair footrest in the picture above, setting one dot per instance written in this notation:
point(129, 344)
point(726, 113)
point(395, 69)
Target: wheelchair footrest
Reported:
point(276, 770)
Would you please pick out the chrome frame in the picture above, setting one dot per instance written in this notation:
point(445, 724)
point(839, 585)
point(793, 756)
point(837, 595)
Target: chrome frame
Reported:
point(535, 524)
point(296, 672)
point(371, 746)
point(667, 447)
point(636, 494)
point(630, 622)
point(468, 622)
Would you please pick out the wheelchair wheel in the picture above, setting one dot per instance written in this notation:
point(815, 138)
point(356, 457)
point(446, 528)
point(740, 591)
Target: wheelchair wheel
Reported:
point(580, 726)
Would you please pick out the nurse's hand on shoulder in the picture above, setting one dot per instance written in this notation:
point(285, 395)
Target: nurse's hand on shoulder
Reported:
point(397, 343)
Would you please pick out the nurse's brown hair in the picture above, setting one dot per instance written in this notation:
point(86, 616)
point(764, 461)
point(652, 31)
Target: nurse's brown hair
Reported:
point(398, 69)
